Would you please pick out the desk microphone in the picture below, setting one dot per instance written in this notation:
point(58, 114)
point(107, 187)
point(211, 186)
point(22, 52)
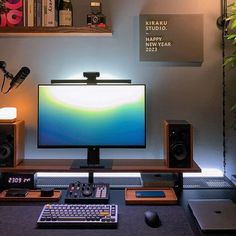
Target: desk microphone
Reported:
point(19, 77)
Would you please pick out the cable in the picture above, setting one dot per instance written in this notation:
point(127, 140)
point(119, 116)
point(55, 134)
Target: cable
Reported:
point(4, 80)
point(3, 83)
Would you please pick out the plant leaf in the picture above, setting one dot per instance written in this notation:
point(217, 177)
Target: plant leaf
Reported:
point(233, 24)
point(231, 36)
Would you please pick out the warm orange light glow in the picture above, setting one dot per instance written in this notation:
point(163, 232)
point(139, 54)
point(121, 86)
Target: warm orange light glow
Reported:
point(8, 114)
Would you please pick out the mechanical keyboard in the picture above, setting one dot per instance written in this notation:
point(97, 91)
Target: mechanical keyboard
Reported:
point(79, 216)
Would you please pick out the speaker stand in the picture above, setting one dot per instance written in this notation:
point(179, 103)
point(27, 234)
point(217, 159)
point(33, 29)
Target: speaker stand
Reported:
point(173, 180)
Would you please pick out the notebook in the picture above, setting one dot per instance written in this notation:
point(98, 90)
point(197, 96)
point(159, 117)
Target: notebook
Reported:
point(214, 214)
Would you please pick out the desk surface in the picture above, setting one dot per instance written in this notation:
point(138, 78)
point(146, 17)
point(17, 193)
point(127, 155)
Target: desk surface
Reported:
point(20, 218)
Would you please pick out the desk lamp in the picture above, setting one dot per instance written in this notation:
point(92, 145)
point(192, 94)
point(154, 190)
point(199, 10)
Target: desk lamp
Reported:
point(8, 114)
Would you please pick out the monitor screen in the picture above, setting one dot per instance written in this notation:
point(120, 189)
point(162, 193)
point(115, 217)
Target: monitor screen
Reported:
point(72, 115)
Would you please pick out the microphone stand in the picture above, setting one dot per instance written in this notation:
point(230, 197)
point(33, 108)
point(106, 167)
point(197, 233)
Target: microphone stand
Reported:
point(6, 74)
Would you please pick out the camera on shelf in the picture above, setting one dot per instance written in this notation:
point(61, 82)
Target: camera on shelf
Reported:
point(95, 17)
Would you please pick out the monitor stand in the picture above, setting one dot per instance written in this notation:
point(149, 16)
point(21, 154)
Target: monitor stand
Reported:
point(93, 161)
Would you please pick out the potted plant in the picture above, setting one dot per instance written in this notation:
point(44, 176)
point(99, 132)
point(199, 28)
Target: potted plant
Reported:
point(231, 36)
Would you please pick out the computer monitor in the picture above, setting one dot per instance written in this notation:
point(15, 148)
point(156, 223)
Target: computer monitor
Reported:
point(92, 117)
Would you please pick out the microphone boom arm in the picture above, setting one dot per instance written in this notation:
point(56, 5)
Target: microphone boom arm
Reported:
point(7, 74)
point(15, 80)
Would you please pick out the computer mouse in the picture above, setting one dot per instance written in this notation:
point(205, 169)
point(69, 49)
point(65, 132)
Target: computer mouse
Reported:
point(152, 219)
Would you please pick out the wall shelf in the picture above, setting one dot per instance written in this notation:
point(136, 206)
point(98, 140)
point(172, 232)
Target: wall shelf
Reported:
point(55, 31)
point(119, 165)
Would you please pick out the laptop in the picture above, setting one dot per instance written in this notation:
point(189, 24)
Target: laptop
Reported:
point(214, 214)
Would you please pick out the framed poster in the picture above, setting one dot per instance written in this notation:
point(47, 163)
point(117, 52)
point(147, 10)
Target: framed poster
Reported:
point(171, 38)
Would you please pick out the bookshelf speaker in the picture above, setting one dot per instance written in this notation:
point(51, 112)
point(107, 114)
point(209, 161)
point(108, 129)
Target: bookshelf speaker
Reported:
point(11, 143)
point(178, 144)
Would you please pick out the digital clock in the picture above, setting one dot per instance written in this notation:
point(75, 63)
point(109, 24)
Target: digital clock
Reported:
point(18, 180)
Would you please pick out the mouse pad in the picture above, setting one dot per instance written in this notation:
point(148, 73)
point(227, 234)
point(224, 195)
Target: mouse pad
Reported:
point(131, 222)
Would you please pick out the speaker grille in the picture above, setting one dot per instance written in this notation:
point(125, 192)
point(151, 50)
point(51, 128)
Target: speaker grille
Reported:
point(11, 143)
point(6, 145)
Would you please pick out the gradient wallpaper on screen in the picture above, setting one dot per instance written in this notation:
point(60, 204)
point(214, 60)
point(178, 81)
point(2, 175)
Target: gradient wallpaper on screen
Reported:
point(91, 115)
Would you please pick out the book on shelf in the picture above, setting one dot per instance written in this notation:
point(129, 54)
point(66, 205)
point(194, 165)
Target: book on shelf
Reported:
point(30, 13)
point(49, 13)
point(11, 13)
point(39, 13)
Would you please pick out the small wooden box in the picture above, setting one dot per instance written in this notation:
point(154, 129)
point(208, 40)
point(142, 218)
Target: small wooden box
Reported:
point(32, 196)
point(170, 197)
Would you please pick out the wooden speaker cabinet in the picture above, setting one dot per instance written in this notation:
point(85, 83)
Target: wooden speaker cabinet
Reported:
point(178, 144)
point(11, 143)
